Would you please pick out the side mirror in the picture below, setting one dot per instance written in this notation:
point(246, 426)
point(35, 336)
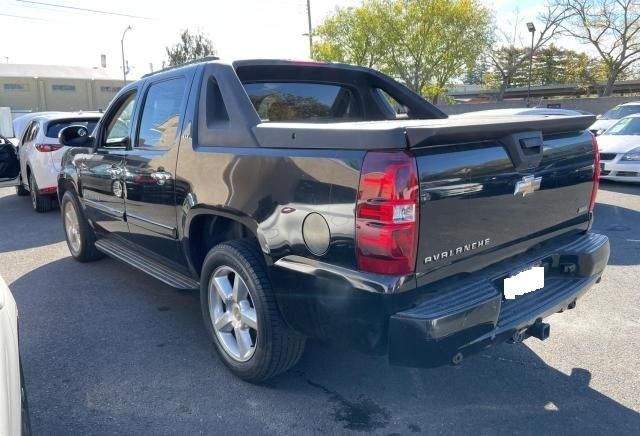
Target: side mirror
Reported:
point(599, 117)
point(75, 136)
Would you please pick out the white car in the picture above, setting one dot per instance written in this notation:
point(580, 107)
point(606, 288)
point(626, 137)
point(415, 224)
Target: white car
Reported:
point(14, 415)
point(40, 155)
point(619, 147)
point(610, 117)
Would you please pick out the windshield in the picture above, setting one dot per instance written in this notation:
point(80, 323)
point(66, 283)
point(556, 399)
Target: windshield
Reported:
point(620, 112)
point(626, 126)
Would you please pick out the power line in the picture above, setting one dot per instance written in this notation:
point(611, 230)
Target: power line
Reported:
point(95, 11)
point(23, 17)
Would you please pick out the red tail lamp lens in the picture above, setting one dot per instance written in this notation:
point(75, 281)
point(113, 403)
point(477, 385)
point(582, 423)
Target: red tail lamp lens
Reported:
point(387, 213)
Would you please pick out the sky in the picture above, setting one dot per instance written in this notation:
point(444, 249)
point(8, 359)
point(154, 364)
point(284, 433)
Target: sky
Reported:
point(35, 33)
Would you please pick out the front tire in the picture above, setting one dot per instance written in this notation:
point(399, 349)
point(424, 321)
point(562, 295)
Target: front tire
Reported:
point(40, 203)
point(241, 314)
point(79, 235)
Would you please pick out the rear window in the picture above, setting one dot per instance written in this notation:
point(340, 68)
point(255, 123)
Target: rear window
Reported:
point(303, 102)
point(54, 127)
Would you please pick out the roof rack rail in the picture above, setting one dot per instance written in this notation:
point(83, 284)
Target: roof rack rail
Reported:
point(195, 61)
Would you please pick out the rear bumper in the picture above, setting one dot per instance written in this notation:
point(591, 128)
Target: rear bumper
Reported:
point(452, 323)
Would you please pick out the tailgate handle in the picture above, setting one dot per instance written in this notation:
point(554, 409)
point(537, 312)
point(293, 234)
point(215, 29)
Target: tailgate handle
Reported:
point(525, 149)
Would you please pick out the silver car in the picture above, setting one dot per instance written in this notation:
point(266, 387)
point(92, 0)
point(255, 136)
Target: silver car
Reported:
point(14, 415)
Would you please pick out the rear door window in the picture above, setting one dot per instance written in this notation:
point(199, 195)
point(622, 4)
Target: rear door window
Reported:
point(303, 102)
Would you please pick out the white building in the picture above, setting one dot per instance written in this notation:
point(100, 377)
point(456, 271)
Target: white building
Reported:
point(53, 87)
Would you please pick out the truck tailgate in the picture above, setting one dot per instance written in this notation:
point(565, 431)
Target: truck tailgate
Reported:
point(513, 186)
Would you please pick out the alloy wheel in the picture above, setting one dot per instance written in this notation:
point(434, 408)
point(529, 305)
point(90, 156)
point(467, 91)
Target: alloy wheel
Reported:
point(72, 227)
point(233, 314)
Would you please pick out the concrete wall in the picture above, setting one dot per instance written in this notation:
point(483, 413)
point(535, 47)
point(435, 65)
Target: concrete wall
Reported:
point(50, 94)
point(594, 105)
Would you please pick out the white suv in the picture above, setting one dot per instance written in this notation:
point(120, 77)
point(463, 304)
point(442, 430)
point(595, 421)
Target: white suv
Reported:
point(40, 155)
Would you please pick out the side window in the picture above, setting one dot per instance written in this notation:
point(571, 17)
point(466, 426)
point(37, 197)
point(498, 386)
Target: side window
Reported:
point(30, 132)
point(27, 133)
point(34, 131)
point(162, 113)
point(392, 105)
point(118, 126)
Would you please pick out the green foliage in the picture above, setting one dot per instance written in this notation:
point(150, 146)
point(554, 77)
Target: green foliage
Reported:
point(423, 43)
point(551, 65)
point(190, 47)
point(612, 28)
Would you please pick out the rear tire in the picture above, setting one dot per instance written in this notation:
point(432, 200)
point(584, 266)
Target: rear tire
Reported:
point(21, 191)
point(275, 347)
point(79, 235)
point(40, 203)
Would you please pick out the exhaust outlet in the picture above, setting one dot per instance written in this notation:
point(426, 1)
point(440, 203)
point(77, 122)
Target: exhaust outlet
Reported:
point(540, 330)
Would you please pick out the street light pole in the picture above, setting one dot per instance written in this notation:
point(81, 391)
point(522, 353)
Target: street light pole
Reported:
point(124, 67)
point(532, 30)
point(309, 23)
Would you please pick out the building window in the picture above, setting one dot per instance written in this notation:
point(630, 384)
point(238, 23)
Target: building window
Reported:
point(66, 88)
point(112, 89)
point(14, 87)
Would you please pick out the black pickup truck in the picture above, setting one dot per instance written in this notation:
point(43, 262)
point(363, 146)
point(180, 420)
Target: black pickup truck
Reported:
point(329, 201)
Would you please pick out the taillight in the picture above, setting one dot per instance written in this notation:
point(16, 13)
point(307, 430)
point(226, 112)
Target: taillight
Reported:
point(387, 213)
point(47, 148)
point(596, 173)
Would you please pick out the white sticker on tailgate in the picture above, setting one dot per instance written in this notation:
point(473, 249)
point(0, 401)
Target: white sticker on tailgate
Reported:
point(524, 282)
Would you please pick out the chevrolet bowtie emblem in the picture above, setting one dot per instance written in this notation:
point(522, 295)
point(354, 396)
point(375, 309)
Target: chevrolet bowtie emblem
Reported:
point(528, 185)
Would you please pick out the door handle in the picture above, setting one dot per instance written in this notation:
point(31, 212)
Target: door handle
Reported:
point(161, 177)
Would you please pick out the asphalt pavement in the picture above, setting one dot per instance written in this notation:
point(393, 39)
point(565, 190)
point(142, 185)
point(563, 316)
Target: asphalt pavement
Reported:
point(109, 350)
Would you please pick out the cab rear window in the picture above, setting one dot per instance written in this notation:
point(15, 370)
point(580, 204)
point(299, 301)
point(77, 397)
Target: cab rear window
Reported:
point(303, 102)
point(54, 127)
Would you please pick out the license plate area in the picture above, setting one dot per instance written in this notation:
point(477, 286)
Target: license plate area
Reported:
point(523, 282)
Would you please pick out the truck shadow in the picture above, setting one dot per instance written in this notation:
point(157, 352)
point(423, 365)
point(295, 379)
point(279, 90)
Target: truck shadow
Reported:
point(622, 226)
point(506, 390)
point(107, 349)
point(31, 229)
point(619, 187)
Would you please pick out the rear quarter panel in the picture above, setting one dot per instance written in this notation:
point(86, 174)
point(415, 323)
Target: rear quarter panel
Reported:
point(272, 191)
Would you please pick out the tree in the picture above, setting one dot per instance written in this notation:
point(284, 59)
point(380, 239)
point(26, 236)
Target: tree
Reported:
point(509, 59)
point(612, 27)
point(190, 47)
point(423, 43)
point(350, 36)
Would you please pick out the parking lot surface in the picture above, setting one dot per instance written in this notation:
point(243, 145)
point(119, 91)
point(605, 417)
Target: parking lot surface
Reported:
point(109, 350)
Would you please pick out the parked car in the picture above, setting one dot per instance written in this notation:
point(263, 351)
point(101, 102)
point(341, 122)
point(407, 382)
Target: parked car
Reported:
point(620, 150)
point(40, 155)
point(295, 200)
point(14, 412)
point(525, 111)
point(610, 117)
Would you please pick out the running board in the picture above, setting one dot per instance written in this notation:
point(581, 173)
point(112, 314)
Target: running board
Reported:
point(146, 264)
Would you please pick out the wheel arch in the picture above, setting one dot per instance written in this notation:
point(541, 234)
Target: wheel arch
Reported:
point(64, 185)
point(206, 227)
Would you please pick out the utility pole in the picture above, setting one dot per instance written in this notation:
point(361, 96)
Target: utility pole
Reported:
point(309, 22)
point(124, 65)
point(532, 30)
